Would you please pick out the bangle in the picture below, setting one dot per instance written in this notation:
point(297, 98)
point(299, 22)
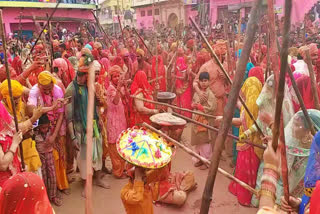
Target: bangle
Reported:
point(270, 166)
point(267, 193)
point(269, 179)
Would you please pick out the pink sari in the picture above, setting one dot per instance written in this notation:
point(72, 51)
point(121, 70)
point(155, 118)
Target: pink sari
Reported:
point(183, 87)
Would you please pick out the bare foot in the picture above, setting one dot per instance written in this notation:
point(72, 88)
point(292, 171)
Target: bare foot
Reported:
point(102, 183)
point(106, 170)
point(57, 201)
point(66, 191)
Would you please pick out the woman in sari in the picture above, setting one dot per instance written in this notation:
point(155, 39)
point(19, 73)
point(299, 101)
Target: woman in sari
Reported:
point(304, 86)
point(24, 193)
point(10, 140)
point(298, 140)
point(141, 110)
point(116, 119)
point(30, 153)
point(248, 156)
point(183, 86)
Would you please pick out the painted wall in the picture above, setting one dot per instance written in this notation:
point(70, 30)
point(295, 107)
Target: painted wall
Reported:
point(145, 21)
point(11, 17)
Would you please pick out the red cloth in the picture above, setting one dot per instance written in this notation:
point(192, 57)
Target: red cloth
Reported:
point(140, 85)
point(246, 171)
point(66, 72)
point(17, 65)
point(117, 61)
point(7, 128)
point(161, 72)
point(314, 201)
point(183, 87)
point(304, 86)
point(24, 193)
point(257, 72)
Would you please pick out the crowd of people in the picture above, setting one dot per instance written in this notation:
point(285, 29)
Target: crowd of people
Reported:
point(50, 101)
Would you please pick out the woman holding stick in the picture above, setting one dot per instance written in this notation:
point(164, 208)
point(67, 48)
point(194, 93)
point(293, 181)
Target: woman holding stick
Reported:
point(140, 110)
point(248, 157)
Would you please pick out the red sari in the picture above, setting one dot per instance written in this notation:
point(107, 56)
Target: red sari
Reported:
point(6, 133)
point(140, 85)
point(183, 87)
point(24, 193)
point(161, 72)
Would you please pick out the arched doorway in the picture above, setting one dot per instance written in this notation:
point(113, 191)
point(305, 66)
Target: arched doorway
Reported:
point(173, 20)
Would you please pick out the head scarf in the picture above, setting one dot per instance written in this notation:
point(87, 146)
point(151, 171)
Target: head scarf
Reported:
point(313, 49)
point(190, 43)
point(84, 63)
point(88, 47)
point(140, 82)
point(304, 86)
point(62, 66)
point(85, 51)
point(17, 65)
point(117, 61)
point(114, 70)
point(293, 51)
point(258, 73)
point(220, 48)
point(248, 68)
point(45, 78)
point(298, 141)
point(173, 46)
point(28, 192)
point(140, 52)
point(124, 52)
point(250, 91)
point(97, 45)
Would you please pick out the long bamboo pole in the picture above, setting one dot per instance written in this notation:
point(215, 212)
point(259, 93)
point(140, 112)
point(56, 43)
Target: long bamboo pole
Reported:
point(215, 129)
point(19, 34)
point(144, 44)
point(44, 27)
point(173, 107)
point(230, 107)
point(226, 35)
point(89, 136)
point(313, 80)
point(204, 160)
point(105, 35)
point(226, 74)
point(123, 39)
point(278, 127)
point(4, 44)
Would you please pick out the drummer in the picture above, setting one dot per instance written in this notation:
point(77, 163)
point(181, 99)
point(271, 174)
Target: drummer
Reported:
point(140, 110)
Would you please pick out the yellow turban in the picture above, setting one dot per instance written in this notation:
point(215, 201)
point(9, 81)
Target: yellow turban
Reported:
point(140, 51)
point(17, 90)
point(45, 78)
point(173, 46)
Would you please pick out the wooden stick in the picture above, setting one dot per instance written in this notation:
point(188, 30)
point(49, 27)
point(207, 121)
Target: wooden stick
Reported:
point(173, 107)
point(281, 84)
point(123, 39)
point(226, 35)
point(273, 51)
point(105, 35)
point(44, 27)
point(215, 129)
point(266, 75)
point(202, 159)
point(230, 107)
point(19, 34)
point(155, 79)
point(278, 121)
point(4, 44)
point(226, 74)
point(313, 80)
point(89, 137)
point(144, 44)
point(50, 44)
